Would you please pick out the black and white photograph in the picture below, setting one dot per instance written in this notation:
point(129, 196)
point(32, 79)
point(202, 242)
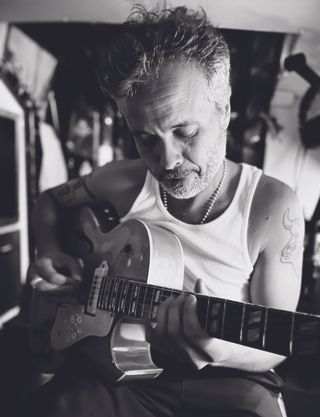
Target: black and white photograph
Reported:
point(159, 208)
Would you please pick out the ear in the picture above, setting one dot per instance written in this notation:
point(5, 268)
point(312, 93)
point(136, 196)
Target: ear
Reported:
point(225, 117)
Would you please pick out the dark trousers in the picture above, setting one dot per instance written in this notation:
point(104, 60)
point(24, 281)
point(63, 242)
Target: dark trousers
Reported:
point(78, 392)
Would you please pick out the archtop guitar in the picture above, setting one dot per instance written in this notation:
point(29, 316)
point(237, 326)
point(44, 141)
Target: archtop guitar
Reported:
point(131, 270)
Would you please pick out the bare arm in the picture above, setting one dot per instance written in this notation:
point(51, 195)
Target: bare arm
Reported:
point(50, 206)
point(276, 231)
point(106, 184)
point(276, 239)
point(47, 220)
point(51, 284)
point(49, 277)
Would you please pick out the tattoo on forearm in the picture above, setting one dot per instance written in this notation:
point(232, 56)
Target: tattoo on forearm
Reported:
point(291, 249)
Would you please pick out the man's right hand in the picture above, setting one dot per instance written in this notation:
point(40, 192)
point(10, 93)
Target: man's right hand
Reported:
point(57, 277)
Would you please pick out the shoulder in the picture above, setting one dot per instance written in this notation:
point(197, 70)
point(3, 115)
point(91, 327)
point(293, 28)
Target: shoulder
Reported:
point(117, 179)
point(272, 196)
point(275, 209)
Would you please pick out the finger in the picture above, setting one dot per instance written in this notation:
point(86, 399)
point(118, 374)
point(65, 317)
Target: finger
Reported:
point(47, 271)
point(174, 318)
point(200, 287)
point(74, 265)
point(192, 329)
point(58, 293)
point(161, 325)
point(180, 346)
point(166, 334)
point(44, 269)
point(190, 321)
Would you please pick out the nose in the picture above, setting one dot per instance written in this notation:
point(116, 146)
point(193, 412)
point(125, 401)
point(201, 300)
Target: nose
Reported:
point(170, 155)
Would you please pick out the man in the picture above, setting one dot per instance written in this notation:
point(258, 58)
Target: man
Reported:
point(169, 74)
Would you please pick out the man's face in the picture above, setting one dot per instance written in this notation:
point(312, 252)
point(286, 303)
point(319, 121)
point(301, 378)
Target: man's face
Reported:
point(179, 133)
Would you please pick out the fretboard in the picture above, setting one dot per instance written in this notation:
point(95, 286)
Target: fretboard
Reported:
point(277, 331)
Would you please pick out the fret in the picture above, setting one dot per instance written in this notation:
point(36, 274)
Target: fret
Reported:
point(207, 315)
point(150, 316)
point(128, 298)
point(120, 296)
point(115, 291)
point(162, 299)
point(291, 334)
point(101, 292)
point(278, 332)
point(108, 294)
point(265, 328)
point(145, 287)
point(154, 305)
point(147, 302)
point(233, 321)
point(124, 294)
point(137, 297)
point(254, 323)
point(141, 300)
point(154, 297)
point(223, 318)
point(111, 304)
point(100, 298)
point(133, 302)
point(306, 334)
point(215, 320)
point(242, 322)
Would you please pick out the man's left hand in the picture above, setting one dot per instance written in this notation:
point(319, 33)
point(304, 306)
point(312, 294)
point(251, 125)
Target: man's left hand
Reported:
point(178, 331)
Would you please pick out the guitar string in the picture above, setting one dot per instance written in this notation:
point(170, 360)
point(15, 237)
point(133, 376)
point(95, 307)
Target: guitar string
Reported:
point(163, 290)
point(166, 292)
point(148, 308)
point(121, 287)
point(150, 305)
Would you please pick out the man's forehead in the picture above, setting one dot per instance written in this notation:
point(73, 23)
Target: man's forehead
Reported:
point(174, 85)
point(179, 76)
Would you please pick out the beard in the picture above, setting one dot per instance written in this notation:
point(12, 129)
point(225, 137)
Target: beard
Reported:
point(184, 183)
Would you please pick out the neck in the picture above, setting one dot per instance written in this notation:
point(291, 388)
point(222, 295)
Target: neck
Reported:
point(269, 329)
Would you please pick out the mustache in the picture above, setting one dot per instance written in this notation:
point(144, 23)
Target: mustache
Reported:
point(173, 174)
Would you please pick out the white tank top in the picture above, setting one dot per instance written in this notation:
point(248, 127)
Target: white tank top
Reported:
point(216, 252)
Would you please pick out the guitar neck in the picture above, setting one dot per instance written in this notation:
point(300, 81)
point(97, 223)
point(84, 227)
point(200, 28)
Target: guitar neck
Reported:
point(277, 331)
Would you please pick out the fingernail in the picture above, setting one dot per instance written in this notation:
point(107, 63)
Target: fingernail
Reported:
point(35, 282)
point(77, 277)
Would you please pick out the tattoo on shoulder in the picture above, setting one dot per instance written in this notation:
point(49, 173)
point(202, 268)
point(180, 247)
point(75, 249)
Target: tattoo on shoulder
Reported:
point(66, 193)
point(292, 247)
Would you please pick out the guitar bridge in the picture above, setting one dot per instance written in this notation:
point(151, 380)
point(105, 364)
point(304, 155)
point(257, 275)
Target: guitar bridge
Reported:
point(99, 274)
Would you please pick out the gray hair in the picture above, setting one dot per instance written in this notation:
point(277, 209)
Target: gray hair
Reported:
point(150, 39)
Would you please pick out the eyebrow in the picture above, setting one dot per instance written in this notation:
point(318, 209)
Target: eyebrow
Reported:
point(186, 123)
point(140, 132)
point(179, 125)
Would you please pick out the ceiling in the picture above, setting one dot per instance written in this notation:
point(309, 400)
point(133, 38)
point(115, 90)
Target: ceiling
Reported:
point(292, 16)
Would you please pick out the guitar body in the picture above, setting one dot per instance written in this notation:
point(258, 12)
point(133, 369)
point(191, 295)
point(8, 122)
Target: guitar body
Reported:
point(115, 343)
point(128, 272)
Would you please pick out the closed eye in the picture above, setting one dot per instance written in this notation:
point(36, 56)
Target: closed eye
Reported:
point(145, 139)
point(185, 132)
